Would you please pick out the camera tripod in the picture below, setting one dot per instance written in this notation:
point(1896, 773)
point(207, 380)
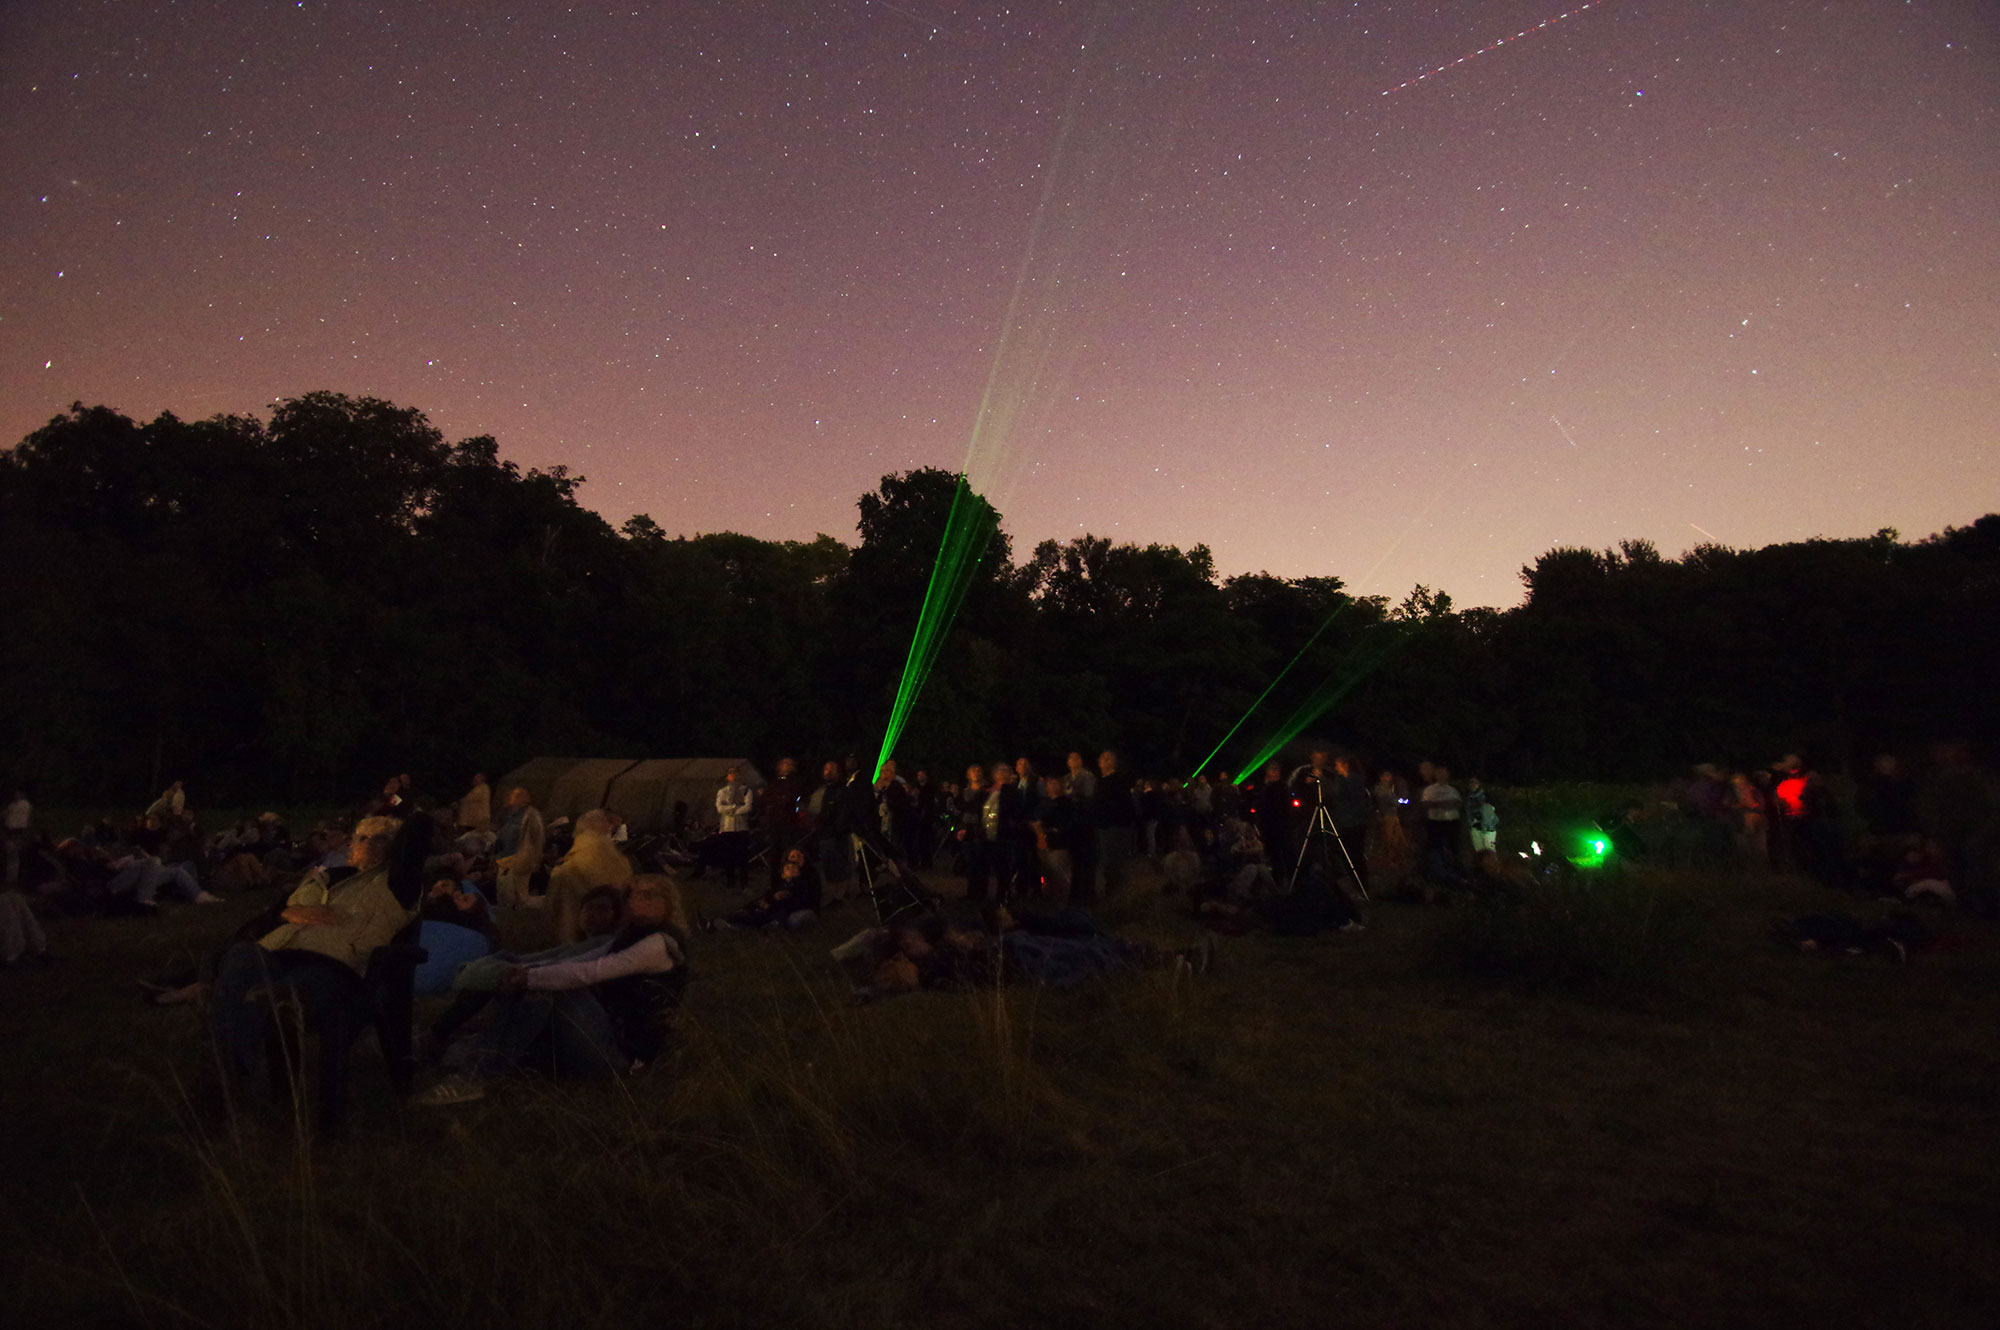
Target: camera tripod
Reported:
point(1319, 831)
point(882, 878)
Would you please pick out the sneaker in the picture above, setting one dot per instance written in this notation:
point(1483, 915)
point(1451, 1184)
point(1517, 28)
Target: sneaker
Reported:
point(453, 1090)
point(179, 997)
point(426, 1048)
point(207, 898)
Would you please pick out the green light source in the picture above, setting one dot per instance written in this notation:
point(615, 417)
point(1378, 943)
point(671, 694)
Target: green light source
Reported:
point(1595, 849)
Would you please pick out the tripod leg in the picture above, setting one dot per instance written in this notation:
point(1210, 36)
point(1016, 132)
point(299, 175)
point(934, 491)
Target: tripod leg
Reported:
point(1348, 855)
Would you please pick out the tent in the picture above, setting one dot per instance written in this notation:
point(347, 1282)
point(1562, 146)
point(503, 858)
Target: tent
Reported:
point(647, 791)
point(644, 791)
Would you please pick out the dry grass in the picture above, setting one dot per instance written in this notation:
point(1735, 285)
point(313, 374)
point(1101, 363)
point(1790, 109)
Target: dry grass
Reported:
point(1330, 1131)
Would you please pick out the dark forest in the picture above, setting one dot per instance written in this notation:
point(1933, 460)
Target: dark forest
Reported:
point(289, 609)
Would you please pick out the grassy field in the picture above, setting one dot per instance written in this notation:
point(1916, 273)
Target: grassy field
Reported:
point(1424, 1124)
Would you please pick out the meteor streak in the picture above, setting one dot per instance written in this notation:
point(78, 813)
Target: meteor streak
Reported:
point(1494, 45)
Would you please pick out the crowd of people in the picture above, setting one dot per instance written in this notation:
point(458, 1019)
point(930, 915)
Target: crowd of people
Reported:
point(1296, 851)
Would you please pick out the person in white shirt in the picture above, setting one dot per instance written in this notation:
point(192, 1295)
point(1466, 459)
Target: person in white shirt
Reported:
point(1444, 812)
point(733, 803)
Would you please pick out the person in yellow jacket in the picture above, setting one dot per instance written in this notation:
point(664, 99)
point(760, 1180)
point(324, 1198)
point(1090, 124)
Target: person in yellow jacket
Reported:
point(593, 861)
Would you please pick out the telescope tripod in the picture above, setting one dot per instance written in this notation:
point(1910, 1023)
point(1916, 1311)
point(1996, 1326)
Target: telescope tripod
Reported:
point(1319, 831)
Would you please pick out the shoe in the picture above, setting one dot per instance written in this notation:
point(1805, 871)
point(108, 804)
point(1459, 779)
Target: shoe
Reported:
point(452, 1090)
point(426, 1048)
point(178, 997)
point(207, 898)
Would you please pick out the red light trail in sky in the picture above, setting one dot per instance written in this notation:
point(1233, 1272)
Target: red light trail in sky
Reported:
point(1493, 46)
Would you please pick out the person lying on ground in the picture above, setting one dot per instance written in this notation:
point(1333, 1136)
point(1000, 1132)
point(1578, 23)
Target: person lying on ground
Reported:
point(1314, 904)
point(1895, 935)
point(593, 1015)
point(1066, 921)
point(793, 903)
point(315, 958)
point(938, 955)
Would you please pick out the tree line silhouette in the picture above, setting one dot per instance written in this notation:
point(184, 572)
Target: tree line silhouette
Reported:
point(291, 609)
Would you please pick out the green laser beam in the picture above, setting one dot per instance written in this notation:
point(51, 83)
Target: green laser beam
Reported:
point(1360, 664)
point(1103, 113)
point(968, 534)
point(1276, 679)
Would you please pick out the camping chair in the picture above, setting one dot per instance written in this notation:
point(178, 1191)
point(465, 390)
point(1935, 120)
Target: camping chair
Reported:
point(384, 998)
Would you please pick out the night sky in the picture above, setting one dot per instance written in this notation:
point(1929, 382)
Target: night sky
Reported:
point(1673, 269)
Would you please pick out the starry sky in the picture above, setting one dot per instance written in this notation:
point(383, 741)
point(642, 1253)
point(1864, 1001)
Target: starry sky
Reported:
point(1187, 272)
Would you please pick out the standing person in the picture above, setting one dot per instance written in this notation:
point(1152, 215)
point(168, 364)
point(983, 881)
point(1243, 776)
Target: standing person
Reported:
point(1887, 802)
point(1352, 809)
point(17, 823)
point(475, 806)
point(970, 835)
point(1081, 785)
point(1003, 827)
point(1115, 815)
point(1201, 808)
point(1027, 857)
point(830, 844)
point(1271, 802)
point(1753, 819)
point(21, 935)
point(1390, 842)
point(732, 812)
point(1444, 816)
point(1056, 824)
point(781, 806)
point(1956, 807)
point(1482, 819)
point(517, 853)
point(895, 806)
point(920, 845)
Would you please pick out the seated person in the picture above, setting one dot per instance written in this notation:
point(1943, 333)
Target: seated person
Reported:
point(794, 902)
point(594, 1013)
point(266, 928)
point(1925, 873)
point(21, 935)
point(140, 878)
point(457, 928)
point(600, 914)
point(316, 957)
point(592, 861)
